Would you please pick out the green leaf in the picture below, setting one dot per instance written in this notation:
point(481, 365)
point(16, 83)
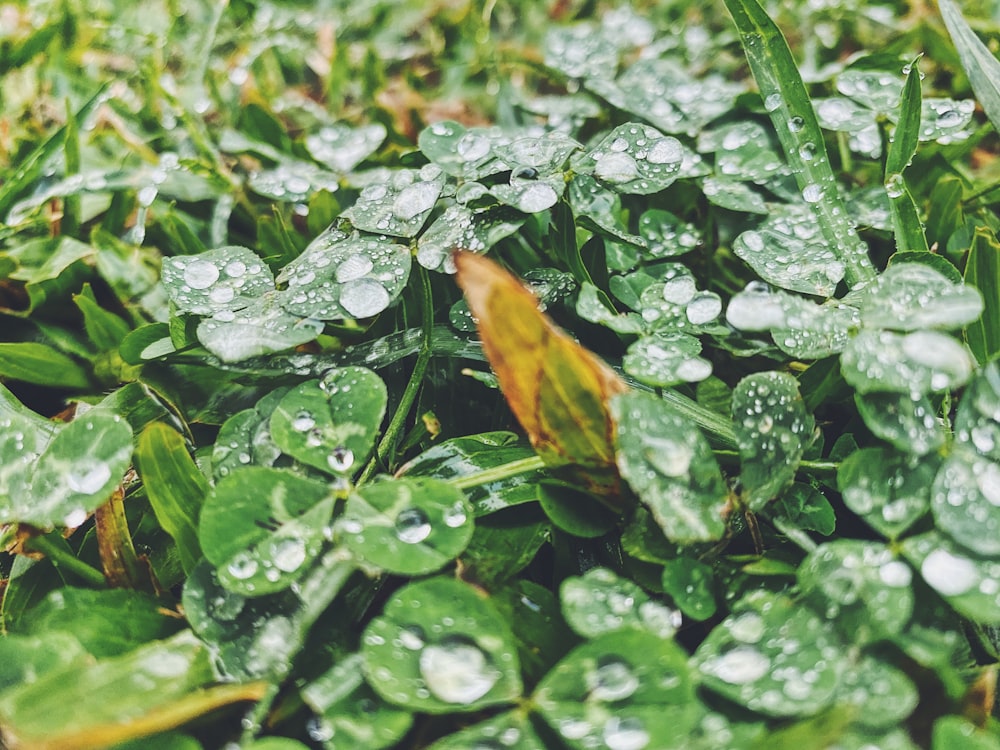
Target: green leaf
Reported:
point(42, 365)
point(408, 526)
point(789, 250)
point(261, 528)
point(634, 158)
point(977, 422)
point(906, 223)
point(441, 646)
point(117, 621)
point(907, 423)
point(461, 227)
point(982, 269)
point(883, 695)
point(807, 509)
point(150, 689)
point(510, 729)
point(624, 689)
point(889, 489)
point(104, 329)
point(345, 276)
point(76, 473)
point(955, 731)
point(342, 147)
point(331, 424)
point(259, 328)
point(913, 296)
point(916, 363)
point(669, 465)
point(744, 658)
point(981, 66)
point(470, 455)
point(773, 430)
point(245, 438)
point(863, 588)
point(175, 487)
point(965, 500)
point(787, 102)
point(503, 544)
point(691, 585)
point(224, 279)
point(573, 511)
point(400, 206)
point(667, 359)
point(965, 580)
point(601, 602)
point(26, 658)
point(462, 152)
point(350, 711)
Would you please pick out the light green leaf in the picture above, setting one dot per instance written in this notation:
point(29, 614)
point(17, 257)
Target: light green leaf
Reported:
point(175, 487)
point(349, 711)
point(342, 147)
point(441, 646)
point(260, 327)
point(460, 227)
point(43, 365)
point(261, 528)
point(225, 279)
point(461, 152)
point(863, 589)
point(905, 220)
point(916, 363)
point(913, 296)
point(908, 423)
point(882, 694)
point(665, 360)
point(669, 465)
point(331, 424)
point(400, 206)
point(345, 276)
point(744, 658)
point(408, 526)
point(889, 489)
point(734, 196)
point(691, 584)
point(511, 729)
point(634, 158)
point(773, 430)
point(977, 422)
point(628, 688)
point(965, 580)
point(76, 473)
point(600, 602)
point(965, 500)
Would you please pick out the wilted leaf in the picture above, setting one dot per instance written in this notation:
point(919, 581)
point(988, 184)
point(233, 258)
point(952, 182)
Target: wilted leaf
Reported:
point(557, 390)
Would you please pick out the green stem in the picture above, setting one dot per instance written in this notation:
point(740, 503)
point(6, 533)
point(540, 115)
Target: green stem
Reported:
point(816, 467)
point(708, 420)
point(496, 473)
point(65, 560)
point(413, 385)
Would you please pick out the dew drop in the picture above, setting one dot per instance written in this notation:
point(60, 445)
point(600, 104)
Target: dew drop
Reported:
point(455, 516)
point(288, 554)
point(340, 459)
point(947, 574)
point(740, 666)
point(303, 422)
point(200, 274)
point(364, 298)
point(414, 200)
point(616, 168)
point(412, 526)
point(626, 733)
point(613, 680)
point(242, 566)
point(75, 518)
point(354, 267)
point(457, 671)
point(89, 480)
point(812, 193)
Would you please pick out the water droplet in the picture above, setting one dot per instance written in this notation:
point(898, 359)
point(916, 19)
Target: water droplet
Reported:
point(772, 102)
point(412, 637)
point(288, 554)
point(537, 197)
point(747, 628)
point(473, 147)
point(613, 680)
point(455, 516)
point(364, 298)
point(457, 671)
point(412, 526)
point(947, 574)
point(704, 307)
point(415, 200)
point(895, 573)
point(303, 422)
point(340, 459)
point(679, 290)
point(354, 267)
point(740, 666)
point(242, 566)
point(616, 167)
point(895, 186)
point(88, 480)
point(665, 151)
point(75, 518)
point(626, 733)
point(200, 274)
point(812, 193)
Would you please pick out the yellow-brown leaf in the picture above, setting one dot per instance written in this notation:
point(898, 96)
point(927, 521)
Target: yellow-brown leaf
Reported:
point(558, 390)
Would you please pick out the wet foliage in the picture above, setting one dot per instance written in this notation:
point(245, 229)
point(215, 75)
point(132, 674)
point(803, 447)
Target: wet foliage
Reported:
point(507, 375)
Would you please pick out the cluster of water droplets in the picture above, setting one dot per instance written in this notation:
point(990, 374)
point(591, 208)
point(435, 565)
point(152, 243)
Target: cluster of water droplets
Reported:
point(400, 205)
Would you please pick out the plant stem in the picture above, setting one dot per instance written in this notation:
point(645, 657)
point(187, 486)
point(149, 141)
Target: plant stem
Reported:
point(496, 473)
point(65, 560)
point(816, 467)
point(388, 440)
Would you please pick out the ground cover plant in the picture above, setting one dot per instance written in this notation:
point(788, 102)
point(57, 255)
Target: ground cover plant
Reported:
point(292, 457)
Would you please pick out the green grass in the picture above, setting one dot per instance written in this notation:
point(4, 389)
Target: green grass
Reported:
point(258, 483)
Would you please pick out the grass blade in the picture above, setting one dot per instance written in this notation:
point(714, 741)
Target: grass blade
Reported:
point(787, 102)
point(978, 62)
point(982, 270)
point(906, 222)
